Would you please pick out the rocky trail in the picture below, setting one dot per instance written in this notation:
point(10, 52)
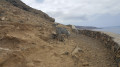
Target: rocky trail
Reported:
point(76, 51)
point(26, 41)
point(95, 53)
point(58, 54)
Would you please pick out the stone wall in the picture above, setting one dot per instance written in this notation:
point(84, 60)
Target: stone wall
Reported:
point(108, 41)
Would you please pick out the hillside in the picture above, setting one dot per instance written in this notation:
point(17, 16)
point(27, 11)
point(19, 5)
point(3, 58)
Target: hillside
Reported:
point(23, 6)
point(26, 41)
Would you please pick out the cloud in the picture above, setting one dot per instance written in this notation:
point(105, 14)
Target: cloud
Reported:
point(67, 11)
point(76, 18)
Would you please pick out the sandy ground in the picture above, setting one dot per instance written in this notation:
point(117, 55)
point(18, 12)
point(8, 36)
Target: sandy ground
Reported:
point(25, 41)
point(25, 45)
point(93, 54)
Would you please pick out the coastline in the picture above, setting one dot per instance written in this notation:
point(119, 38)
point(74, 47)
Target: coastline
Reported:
point(115, 36)
point(112, 30)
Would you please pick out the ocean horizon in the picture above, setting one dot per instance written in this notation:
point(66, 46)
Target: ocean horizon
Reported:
point(115, 29)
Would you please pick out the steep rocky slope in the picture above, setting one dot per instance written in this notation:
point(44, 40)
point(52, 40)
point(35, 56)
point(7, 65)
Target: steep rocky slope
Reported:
point(13, 11)
point(23, 6)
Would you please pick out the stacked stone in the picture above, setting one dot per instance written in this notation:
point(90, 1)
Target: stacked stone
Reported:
point(107, 40)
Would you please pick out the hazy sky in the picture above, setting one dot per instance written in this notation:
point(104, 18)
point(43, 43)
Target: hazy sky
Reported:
point(98, 13)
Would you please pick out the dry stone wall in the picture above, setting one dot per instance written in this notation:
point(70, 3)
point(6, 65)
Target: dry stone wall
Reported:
point(108, 40)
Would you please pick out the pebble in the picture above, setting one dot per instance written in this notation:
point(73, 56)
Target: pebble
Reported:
point(3, 18)
point(85, 64)
point(66, 53)
point(37, 61)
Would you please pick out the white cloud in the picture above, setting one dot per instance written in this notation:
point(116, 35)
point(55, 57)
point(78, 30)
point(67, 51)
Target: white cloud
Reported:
point(67, 10)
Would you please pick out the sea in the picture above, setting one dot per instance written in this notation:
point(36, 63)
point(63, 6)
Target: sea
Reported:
point(114, 29)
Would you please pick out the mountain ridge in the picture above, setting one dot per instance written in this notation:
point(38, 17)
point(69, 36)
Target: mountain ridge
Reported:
point(87, 27)
point(21, 5)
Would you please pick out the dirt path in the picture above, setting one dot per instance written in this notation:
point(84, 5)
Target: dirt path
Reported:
point(56, 54)
point(95, 52)
point(52, 53)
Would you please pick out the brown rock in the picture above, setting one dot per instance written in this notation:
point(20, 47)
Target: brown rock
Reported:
point(66, 53)
point(2, 18)
point(86, 64)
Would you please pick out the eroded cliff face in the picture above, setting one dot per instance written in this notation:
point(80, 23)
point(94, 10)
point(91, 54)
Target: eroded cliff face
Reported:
point(23, 6)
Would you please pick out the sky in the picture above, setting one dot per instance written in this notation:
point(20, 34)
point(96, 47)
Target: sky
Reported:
point(99, 13)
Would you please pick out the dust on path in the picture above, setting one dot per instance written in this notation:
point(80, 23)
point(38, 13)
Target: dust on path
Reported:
point(95, 53)
point(56, 54)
